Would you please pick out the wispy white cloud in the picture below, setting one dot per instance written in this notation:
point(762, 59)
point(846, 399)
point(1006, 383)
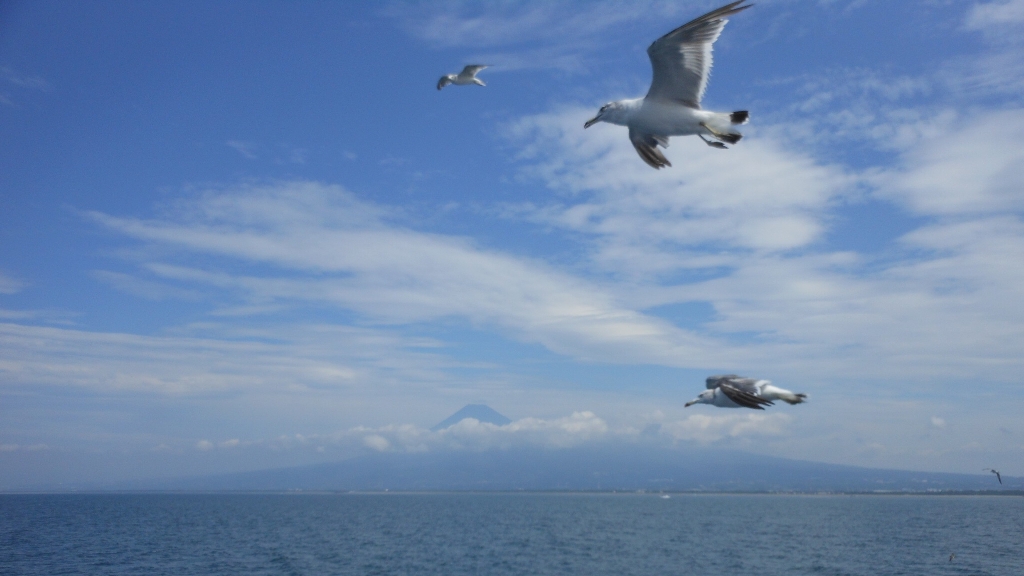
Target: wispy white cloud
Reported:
point(328, 247)
point(281, 154)
point(757, 196)
point(12, 76)
point(971, 167)
point(996, 73)
point(475, 24)
point(579, 428)
point(746, 225)
point(143, 288)
point(749, 219)
point(22, 448)
point(10, 285)
point(816, 113)
point(885, 109)
point(999, 68)
point(521, 35)
point(58, 317)
point(246, 149)
point(256, 362)
point(707, 429)
point(582, 428)
point(987, 15)
point(12, 79)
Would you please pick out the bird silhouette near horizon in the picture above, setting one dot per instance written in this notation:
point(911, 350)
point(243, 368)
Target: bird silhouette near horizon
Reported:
point(681, 61)
point(996, 472)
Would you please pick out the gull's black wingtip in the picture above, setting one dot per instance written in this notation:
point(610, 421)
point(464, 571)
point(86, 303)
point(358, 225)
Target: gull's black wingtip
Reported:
point(734, 7)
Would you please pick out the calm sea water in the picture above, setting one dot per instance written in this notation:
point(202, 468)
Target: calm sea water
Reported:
point(506, 534)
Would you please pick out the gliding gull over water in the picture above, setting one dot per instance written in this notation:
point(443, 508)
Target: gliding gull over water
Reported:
point(681, 61)
point(467, 76)
point(732, 391)
point(996, 472)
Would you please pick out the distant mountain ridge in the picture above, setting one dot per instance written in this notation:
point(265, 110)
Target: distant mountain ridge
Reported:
point(625, 468)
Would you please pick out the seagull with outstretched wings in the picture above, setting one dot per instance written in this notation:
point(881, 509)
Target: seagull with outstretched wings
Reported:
point(732, 391)
point(467, 76)
point(681, 61)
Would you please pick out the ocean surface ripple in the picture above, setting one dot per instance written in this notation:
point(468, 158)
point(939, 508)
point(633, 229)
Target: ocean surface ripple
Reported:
point(509, 534)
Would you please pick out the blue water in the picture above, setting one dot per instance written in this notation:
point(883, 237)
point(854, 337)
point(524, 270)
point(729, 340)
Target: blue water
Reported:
point(506, 534)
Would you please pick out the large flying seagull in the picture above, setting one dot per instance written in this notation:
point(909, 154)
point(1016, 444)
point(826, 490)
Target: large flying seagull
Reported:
point(682, 62)
point(732, 391)
point(467, 76)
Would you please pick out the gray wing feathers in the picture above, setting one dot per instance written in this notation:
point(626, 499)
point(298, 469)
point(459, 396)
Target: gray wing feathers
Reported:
point(682, 59)
point(740, 390)
point(716, 381)
point(745, 384)
point(472, 69)
point(742, 395)
point(647, 147)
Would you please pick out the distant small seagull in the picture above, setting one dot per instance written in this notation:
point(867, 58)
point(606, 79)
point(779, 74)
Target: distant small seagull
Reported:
point(996, 472)
point(951, 556)
point(681, 61)
point(467, 76)
point(732, 391)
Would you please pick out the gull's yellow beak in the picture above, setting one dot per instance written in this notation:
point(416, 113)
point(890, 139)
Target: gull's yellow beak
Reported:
point(591, 122)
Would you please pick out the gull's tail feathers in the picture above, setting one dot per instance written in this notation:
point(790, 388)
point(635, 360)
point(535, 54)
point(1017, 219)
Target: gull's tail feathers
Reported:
point(720, 125)
point(794, 398)
point(739, 117)
point(776, 393)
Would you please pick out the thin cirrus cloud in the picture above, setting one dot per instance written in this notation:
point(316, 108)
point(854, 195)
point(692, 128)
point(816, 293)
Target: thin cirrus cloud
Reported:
point(986, 16)
point(971, 167)
point(468, 24)
point(529, 35)
point(327, 246)
point(754, 226)
point(14, 85)
point(998, 69)
point(834, 107)
point(143, 288)
point(10, 285)
point(230, 360)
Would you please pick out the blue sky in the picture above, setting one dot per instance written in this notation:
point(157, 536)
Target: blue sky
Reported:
point(241, 235)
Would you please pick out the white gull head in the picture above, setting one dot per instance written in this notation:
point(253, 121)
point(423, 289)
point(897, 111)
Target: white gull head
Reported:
point(619, 112)
point(705, 397)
